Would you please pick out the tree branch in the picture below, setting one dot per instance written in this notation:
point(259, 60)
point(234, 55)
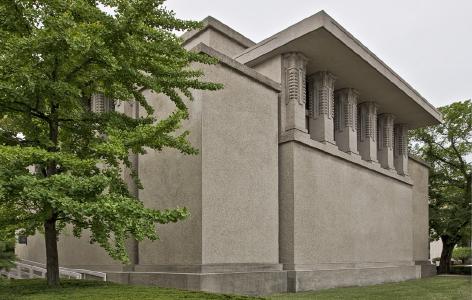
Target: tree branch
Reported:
point(459, 157)
point(78, 68)
point(30, 110)
point(430, 152)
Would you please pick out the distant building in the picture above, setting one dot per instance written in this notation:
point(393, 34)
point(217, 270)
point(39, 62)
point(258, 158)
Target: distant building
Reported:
point(435, 249)
point(303, 180)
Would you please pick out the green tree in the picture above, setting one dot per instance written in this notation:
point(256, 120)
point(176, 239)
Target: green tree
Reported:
point(7, 254)
point(447, 148)
point(462, 253)
point(61, 162)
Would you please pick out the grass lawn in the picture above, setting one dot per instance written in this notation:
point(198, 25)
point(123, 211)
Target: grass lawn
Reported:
point(77, 289)
point(457, 287)
point(439, 287)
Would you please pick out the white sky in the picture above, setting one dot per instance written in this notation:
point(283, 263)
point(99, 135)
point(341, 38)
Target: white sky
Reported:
point(427, 42)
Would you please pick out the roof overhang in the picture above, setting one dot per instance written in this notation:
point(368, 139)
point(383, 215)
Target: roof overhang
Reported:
point(210, 22)
point(328, 46)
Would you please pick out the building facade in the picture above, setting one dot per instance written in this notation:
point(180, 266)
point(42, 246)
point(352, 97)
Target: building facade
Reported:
point(303, 180)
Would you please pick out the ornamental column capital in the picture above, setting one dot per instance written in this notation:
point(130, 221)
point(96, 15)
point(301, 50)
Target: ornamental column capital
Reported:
point(367, 130)
point(321, 106)
point(345, 119)
point(294, 60)
point(400, 152)
point(293, 91)
point(385, 140)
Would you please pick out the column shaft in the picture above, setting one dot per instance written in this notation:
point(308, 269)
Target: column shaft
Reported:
point(400, 153)
point(385, 140)
point(367, 131)
point(294, 92)
point(345, 120)
point(321, 106)
point(101, 104)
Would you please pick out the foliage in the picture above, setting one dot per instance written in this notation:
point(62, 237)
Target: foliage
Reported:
point(62, 163)
point(461, 270)
point(7, 253)
point(462, 253)
point(446, 147)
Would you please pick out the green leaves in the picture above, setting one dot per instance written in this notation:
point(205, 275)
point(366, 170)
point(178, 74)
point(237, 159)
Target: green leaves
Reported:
point(7, 253)
point(462, 253)
point(61, 161)
point(447, 148)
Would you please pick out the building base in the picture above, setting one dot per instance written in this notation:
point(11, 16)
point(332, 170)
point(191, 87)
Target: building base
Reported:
point(427, 269)
point(268, 282)
point(245, 283)
point(298, 281)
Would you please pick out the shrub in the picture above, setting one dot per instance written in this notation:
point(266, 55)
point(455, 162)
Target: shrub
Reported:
point(462, 253)
point(461, 270)
point(7, 254)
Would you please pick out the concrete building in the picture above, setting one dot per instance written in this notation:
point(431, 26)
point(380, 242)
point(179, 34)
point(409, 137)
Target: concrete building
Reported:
point(303, 180)
point(435, 249)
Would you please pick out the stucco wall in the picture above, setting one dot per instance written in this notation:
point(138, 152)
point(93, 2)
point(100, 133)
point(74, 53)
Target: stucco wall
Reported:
point(217, 41)
point(34, 250)
point(286, 203)
point(343, 213)
point(419, 176)
point(173, 179)
point(233, 203)
point(170, 179)
point(73, 252)
point(239, 170)
point(230, 188)
point(271, 68)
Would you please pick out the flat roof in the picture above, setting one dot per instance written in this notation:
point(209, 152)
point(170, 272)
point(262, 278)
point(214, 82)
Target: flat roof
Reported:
point(331, 47)
point(238, 67)
point(210, 22)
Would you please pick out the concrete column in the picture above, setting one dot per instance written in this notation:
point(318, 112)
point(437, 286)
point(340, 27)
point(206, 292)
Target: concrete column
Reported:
point(385, 140)
point(400, 152)
point(367, 131)
point(345, 120)
point(101, 104)
point(321, 106)
point(294, 92)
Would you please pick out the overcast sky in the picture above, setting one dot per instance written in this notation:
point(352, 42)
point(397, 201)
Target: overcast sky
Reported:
point(427, 42)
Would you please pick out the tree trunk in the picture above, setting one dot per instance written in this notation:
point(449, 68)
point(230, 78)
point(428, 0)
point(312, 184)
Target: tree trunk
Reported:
point(52, 257)
point(50, 230)
point(446, 255)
